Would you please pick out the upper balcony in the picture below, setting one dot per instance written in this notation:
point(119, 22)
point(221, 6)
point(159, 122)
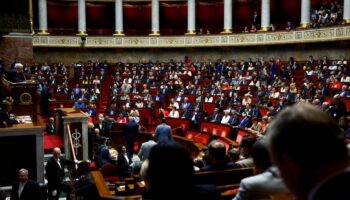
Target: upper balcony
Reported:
point(327, 34)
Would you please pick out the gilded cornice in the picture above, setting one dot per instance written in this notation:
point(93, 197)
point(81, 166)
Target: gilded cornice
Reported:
point(260, 38)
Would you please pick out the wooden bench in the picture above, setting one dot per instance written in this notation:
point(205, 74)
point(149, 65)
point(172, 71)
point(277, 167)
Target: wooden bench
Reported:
point(102, 189)
point(222, 177)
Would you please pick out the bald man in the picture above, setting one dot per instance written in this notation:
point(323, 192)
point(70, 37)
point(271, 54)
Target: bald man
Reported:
point(55, 175)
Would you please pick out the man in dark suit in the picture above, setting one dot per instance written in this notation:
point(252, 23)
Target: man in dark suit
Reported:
point(7, 119)
point(50, 127)
point(195, 118)
point(130, 133)
point(55, 175)
point(25, 189)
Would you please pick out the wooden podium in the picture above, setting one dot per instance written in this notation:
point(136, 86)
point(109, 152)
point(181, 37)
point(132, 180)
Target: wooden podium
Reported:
point(26, 97)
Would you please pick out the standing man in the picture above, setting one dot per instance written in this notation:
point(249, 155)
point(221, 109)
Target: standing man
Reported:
point(130, 133)
point(55, 175)
point(25, 189)
point(163, 132)
point(146, 148)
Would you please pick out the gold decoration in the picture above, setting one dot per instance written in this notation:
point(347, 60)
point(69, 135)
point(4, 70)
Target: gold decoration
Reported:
point(43, 32)
point(119, 33)
point(25, 99)
point(227, 31)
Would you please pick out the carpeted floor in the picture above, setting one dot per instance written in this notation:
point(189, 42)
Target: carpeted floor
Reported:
point(52, 141)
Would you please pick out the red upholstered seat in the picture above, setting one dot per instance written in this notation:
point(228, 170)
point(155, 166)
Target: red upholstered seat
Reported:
point(198, 137)
point(209, 107)
point(221, 130)
point(176, 122)
point(109, 172)
point(52, 141)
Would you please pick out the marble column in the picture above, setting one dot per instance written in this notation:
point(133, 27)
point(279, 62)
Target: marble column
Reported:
point(85, 143)
point(81, 17)
point(346, 15)
point(66, 143)
point(191, 17)
point(119, 28)
point(155, 17)
point(265, 15)
point(43, 17)
point(227, 16)
point(305, 13)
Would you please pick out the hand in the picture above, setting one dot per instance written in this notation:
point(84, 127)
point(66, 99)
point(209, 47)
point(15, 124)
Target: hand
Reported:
point(54, 193)
point(77, 161)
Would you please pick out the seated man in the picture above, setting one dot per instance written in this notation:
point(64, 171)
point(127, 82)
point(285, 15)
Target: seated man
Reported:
point(50, 127)
point(6, 119)
point(217, 157)
point(267, 180)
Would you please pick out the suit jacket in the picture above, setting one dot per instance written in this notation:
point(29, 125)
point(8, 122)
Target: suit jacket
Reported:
point(50, 129)
point(4, 117)
point(163, 133)
point(261, 186)
point(216, 117)
point(335, 187)
point(186, 115)
point(31, 191)
point(146, 149)
point(130, 131)
point(55, 173)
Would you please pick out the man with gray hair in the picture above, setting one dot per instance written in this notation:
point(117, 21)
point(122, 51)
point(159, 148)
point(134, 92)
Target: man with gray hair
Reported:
point(309, 149)
point(25, 189)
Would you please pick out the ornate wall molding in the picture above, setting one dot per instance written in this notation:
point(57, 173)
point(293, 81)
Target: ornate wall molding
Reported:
point(260, 38)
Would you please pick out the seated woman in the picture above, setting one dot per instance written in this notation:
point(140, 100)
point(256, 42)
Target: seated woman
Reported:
point(174, 113)
point(121, 119)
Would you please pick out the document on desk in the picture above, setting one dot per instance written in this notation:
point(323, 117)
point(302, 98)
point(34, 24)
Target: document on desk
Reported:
point(24, 119)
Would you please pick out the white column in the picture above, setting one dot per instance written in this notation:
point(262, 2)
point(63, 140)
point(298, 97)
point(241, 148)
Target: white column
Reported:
point(305, 13)
point(155, 17)
point(227, 16)
point(191, 17)
point(346, 12)
point(67, 150)
point(265, 14)
point(119, 28)
point(84, 130)
point(81, 17)
point(42, 17)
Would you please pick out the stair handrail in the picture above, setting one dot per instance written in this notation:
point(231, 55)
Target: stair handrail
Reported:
point(71, 146)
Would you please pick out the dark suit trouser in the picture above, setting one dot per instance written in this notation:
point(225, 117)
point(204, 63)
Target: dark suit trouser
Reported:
point(130, 148)
point(65, 187)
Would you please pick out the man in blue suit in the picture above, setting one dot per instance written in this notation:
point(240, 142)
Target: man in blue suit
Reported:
point(163, 132)
point(130, 133)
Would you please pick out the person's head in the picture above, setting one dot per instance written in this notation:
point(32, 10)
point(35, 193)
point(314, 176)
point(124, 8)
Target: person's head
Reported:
point(163, 120)
point(23, 175)
point(246, 145)
point(51, 120)
point(56, 152)
point(216, 151)
point(170, 168)
point(260, 156)
point(306, 145)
